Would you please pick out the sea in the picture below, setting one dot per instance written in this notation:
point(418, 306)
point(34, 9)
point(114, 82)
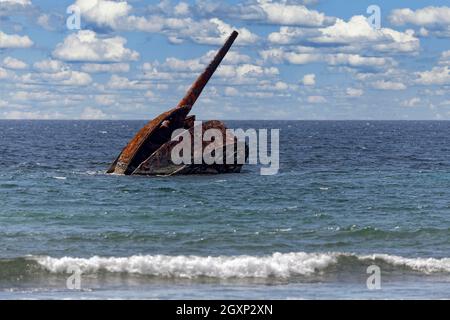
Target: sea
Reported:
point(358, 210)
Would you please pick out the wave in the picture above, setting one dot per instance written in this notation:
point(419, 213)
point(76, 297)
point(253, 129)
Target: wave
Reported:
point(424, 265)
point(277, 265)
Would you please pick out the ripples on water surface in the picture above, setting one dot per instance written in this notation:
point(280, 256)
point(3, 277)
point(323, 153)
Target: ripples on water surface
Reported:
point(346, 191)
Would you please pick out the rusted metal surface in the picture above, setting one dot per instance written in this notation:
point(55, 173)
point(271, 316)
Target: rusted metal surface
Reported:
point(145, 141)
point(189, 122)
point(149, 144)
point(160, 162)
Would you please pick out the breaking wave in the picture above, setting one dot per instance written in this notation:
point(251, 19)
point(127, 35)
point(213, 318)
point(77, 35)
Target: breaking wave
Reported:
point(277, 265)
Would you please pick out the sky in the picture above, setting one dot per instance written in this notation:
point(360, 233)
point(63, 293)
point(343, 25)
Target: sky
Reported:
point(293, 59)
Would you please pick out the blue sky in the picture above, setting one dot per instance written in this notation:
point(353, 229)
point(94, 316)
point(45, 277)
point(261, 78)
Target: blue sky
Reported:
point(294, 59)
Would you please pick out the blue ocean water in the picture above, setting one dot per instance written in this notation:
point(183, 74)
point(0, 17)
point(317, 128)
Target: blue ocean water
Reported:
point(349, 194)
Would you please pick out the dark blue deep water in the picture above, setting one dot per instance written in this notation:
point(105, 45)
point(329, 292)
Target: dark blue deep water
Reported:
point(349, 194)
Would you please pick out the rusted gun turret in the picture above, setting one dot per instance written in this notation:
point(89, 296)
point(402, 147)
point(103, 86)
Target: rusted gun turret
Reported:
point(149, 152)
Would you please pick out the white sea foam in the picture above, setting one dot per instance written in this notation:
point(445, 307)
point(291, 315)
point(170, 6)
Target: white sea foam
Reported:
point(425, 265)
point(277, 265)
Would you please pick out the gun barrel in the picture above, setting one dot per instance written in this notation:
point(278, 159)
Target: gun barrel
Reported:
point(197, 87)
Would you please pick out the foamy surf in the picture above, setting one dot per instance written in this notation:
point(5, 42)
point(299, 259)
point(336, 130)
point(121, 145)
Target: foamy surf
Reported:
point(277, 265)
point(425, 265)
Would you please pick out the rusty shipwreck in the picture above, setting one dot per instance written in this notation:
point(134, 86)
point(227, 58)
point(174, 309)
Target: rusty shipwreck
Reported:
point(149, 152)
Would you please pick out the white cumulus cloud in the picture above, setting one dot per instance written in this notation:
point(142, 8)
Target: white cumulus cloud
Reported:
point(117, 82)
point(105, 67)
point(86, 46)
point(355, 35)
point(14, 41)
point(388, 85)
point(436, 76)
point(291, 14)
point(20, 2)
point(49, 65)
point(13, 63)
point(103, 12)
point(309, 79)
point(90, 113)
point(413, 102)
point(431, 20)
point(354, 92)
point(428, 16)
point(445, 58)
point(316, 99)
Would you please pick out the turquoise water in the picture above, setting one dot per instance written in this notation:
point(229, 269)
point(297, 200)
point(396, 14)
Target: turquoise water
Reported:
point(348, 195)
